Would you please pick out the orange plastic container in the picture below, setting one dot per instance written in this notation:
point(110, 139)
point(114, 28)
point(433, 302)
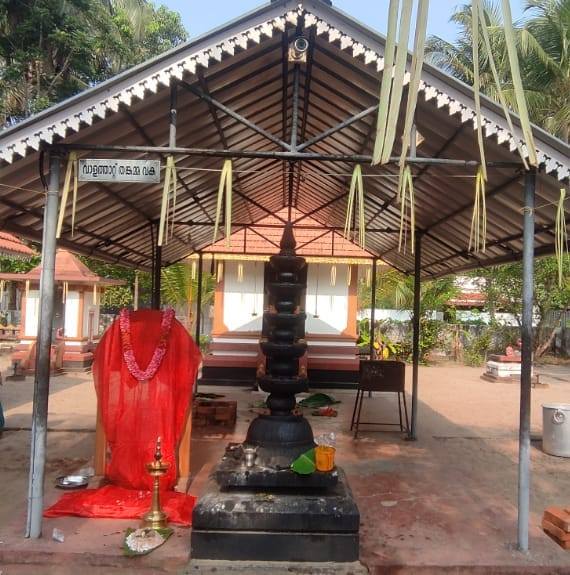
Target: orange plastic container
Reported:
point(324, 457)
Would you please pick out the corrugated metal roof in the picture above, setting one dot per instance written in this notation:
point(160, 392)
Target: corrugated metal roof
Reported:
point(242, 65)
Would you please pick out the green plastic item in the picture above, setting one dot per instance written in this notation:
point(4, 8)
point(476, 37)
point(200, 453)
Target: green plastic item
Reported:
point(318, 400)
point(305, 463)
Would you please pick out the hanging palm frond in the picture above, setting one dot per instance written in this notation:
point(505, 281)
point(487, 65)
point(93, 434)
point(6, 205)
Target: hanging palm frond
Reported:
point(70, 170)
point(416, 74)
point(394, 76)
point(386, 85)
point(500, 93)
point(225, 187)
point(349, 275)
point(240, 273)
point(333, 275)
point(407, 204)
point(478, 233)
point(561, 236)
point(356, 196)
point(517, 83)
point(475, 18)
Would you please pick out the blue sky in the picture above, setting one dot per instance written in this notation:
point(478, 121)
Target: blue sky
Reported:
point(202, 16)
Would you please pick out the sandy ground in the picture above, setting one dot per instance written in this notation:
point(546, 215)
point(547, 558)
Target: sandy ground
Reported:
point(447, 500)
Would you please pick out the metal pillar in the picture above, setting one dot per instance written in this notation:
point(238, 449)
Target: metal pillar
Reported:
point(156, 270)
point(526, 360)
point(416, 336)
point(199, 298)
point(43, 349)
point(373, 309)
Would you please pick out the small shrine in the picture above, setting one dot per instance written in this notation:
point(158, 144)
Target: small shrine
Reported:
point(76, 314)
point(329, 299)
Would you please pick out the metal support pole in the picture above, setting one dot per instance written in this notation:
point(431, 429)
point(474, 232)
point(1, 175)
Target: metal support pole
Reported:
point(373, 309)
point(199, 297)
point(526, 360)
point(295, 114)
point(277, 155)
point(173, 115)
point(43, 353)
point(157, 268)
point(416, 335)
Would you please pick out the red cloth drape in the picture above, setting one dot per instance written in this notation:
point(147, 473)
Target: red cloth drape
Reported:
point(134, 414)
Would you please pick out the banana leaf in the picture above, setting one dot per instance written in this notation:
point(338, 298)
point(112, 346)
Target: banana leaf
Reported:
point(305, 463)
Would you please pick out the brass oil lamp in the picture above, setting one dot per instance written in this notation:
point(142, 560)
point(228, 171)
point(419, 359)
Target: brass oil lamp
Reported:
point(155, 518)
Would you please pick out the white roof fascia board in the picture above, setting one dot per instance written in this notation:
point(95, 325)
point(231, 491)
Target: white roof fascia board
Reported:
point(137, 82)
point(330, 23)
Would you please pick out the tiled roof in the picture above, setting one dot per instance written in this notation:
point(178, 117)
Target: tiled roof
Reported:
point(313, 239)
point(11, 246)
point(68, 268)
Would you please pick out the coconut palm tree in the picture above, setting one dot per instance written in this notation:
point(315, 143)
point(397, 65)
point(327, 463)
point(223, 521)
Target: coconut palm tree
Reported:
point(179, 289)
point(546, 63)
point(542, 42)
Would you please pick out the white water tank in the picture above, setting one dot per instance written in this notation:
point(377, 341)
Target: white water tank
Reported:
point(556, 429)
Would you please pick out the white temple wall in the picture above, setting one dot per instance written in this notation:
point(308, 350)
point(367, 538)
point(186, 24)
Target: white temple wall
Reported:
point(328, 302)
point(32, 313)
point(243, 300)
point(71, 314)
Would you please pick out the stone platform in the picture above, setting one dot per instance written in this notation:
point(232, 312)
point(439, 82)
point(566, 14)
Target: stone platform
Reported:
point(276, 525)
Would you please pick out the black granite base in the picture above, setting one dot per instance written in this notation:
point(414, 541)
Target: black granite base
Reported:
point(278, 525)
point(233, 473)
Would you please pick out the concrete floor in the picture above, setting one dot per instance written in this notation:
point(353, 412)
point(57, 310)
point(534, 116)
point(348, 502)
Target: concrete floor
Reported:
point(446, 503)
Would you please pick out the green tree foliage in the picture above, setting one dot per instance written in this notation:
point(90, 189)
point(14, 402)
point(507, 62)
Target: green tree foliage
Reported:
point(543, 40)
point(18, 265)
point(52, 49)
point(395, 290)
point(503, 291)
point(178, 287)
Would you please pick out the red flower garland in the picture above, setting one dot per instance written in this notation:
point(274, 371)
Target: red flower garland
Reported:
point(159, 352)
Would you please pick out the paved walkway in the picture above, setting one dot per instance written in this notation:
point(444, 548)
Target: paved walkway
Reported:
point(445, 502)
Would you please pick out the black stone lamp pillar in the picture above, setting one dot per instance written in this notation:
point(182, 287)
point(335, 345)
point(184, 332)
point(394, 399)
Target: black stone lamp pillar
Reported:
point(281, 436)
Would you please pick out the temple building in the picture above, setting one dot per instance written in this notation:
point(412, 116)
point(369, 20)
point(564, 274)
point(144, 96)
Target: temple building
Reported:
point(330, 300)
point(76, 314)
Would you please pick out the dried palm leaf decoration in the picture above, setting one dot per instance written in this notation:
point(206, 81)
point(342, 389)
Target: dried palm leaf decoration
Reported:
point(225, 187)
point(415, 78)
point(478, 233)
point(407, 204)
point(485, 33)
point(70, 171)
point(333, 275)
point(392, 80)
point(561, 239)
point(405, 180)
point(168, 196)
point(356, 196)
point(517, 83)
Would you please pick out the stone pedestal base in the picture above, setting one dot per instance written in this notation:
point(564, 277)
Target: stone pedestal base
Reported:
point(276, 525)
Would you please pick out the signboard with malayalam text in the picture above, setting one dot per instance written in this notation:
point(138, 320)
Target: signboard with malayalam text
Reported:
point(113, 170)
